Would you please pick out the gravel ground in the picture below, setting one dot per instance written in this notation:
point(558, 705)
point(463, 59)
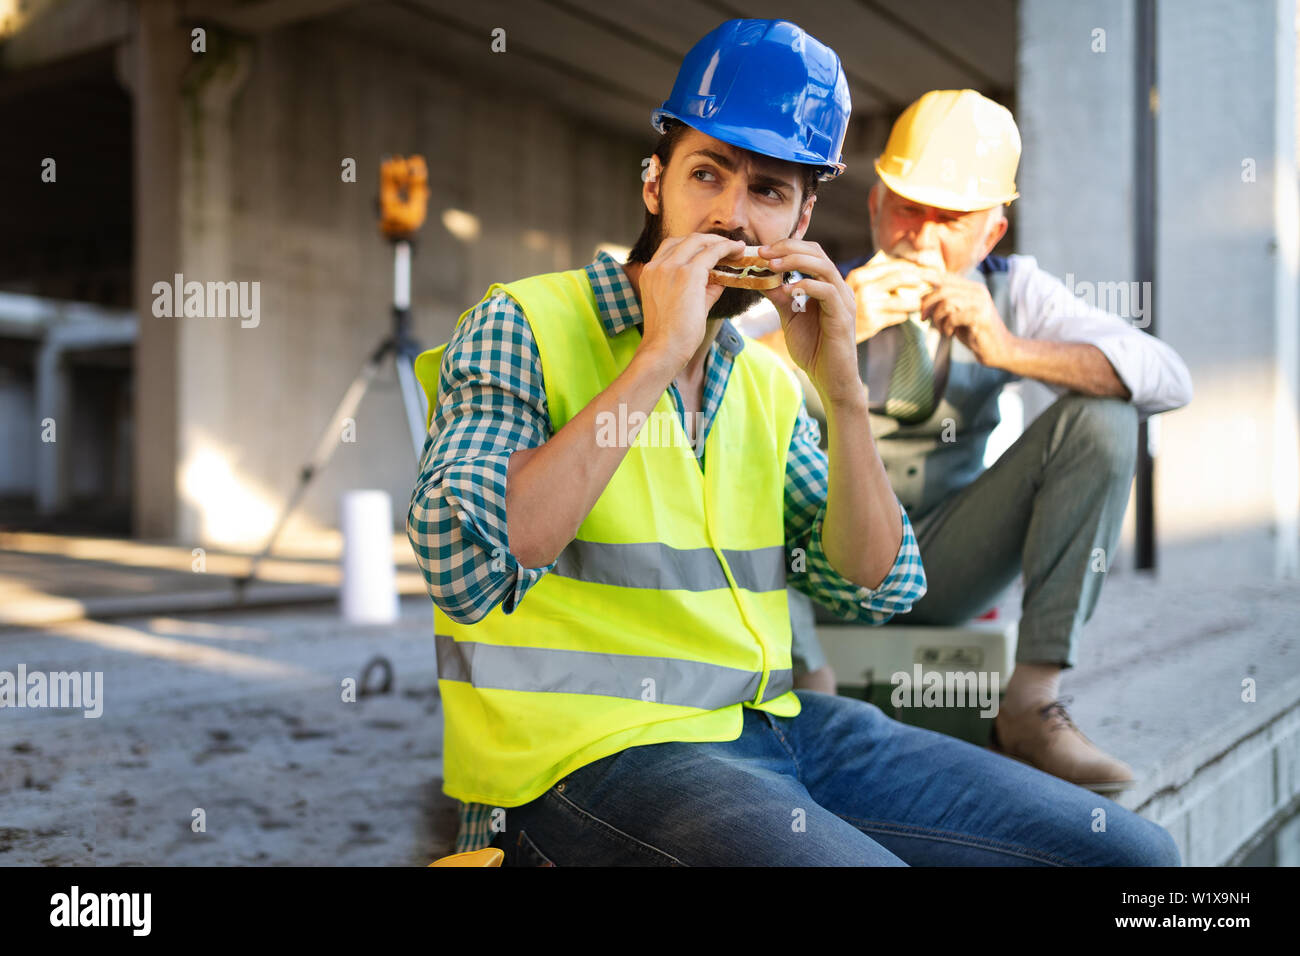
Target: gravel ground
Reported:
point(237, 714)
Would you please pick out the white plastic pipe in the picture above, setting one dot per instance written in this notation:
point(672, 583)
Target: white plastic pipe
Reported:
point(368, 594)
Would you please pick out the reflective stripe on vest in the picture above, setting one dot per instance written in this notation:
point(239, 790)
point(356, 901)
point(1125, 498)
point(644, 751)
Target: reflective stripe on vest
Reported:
point(545, 670)
point(654, 565)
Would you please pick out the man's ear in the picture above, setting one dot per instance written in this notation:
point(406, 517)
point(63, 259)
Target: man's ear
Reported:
point(650, 186)
point(805, 217)
point(995, 235)
point(873, 200)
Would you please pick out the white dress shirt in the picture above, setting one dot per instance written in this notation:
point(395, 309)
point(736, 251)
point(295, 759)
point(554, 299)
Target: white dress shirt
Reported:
point(1043, 308)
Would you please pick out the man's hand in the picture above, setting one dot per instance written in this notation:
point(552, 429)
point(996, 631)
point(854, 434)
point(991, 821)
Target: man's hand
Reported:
point(820, 337)
point(887, 292)
point(676, 294)
point(862, 528)
point(964, 309)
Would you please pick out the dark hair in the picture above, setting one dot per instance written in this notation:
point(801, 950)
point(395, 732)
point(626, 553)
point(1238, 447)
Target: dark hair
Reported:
point(648, 241)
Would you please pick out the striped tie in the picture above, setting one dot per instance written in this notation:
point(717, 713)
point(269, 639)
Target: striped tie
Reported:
point(911, 388)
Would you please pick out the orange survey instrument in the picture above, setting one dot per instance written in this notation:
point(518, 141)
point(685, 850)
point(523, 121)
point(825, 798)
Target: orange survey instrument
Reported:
point(403, 195)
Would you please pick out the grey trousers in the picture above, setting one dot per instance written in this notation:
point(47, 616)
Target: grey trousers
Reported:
point(1050, 507)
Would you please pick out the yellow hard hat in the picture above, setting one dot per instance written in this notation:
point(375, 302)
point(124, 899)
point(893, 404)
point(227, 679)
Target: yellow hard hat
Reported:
point(954, 149)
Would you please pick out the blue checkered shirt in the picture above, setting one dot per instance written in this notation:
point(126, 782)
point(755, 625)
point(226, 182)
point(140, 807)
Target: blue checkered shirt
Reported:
point(492, 401)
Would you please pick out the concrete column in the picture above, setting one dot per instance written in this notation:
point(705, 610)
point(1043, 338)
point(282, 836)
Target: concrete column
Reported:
point(1074, 107)
point(1226, 477)
point(57, 460)
point(1286, 312)
point(52, 393)
point(210, 504)
point(150, 66)
point(19, 426)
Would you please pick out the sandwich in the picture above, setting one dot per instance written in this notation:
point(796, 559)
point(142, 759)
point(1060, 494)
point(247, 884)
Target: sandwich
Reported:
point(746, 271)
point(895, 283)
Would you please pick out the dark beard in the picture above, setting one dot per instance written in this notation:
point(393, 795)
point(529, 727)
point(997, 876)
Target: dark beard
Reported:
point(730, 304)
point(734, 301)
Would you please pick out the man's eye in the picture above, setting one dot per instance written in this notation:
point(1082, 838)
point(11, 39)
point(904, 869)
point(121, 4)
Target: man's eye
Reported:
point(703, 172)
point(775, 193)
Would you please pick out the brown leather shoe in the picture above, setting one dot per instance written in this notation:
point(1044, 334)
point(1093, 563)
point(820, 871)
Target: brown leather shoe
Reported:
point(1046, 738)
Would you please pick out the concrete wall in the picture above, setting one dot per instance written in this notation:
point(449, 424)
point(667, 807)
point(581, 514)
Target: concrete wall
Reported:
point(1226, 487)
point(1227, 272)
point(1075, 112)
point(265, 128)
point(17, 419)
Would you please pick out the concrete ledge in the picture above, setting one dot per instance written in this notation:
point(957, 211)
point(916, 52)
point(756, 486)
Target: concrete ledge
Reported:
point(49, 579)
point(1215, 794)
point(45, 611)
point(1159, 684)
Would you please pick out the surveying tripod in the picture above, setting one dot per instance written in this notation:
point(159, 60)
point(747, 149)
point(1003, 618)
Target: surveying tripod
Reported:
point(403, 199)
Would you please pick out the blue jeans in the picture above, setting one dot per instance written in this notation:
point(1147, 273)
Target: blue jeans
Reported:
point(841, 784)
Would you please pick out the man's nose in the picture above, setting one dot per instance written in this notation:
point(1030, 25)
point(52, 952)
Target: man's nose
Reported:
point(731, 208)
point(927, 235)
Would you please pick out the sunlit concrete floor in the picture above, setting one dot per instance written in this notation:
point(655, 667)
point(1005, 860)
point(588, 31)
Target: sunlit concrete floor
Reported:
point(240, 715)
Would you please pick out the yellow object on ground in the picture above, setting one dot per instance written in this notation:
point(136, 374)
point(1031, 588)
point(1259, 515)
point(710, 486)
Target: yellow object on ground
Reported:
point(488, 856)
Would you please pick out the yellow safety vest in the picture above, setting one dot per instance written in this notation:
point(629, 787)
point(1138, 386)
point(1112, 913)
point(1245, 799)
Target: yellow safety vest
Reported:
point(665, 615)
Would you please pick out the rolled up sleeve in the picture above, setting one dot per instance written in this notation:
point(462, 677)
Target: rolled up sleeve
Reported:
point(902, 587)
point(1155, 375)
point(811, 571)
point(491, 403)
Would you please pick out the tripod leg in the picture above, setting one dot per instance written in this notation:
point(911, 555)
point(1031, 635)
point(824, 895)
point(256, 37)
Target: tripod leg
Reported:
point(325, 448)
point(413, 400)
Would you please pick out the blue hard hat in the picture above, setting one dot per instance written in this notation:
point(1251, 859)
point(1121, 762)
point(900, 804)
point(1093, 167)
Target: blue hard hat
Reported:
point(765, 86)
